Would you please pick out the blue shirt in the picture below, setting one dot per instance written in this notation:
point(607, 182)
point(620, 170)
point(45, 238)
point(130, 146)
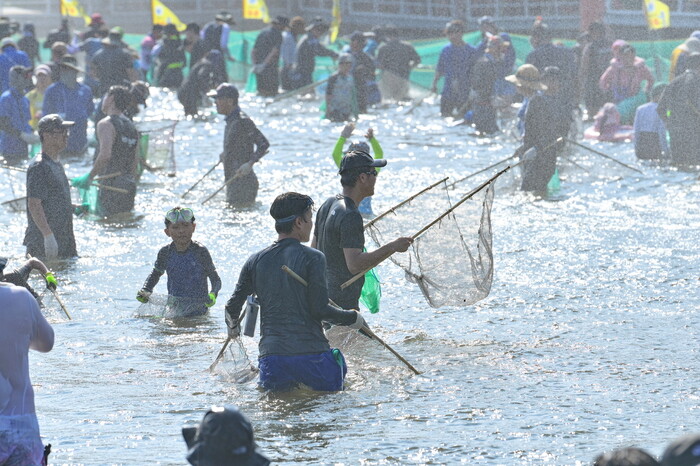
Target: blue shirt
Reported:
point(10, 57)
point(15, 107)
point(646, 120)
point(455, 64)
point(187, 272)
point(73, 105)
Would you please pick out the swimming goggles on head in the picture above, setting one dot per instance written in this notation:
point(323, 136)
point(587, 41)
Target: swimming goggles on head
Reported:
point(309, 203)
point(179, 214)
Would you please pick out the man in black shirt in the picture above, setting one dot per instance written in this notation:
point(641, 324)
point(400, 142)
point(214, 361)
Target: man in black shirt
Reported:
point(244, 145)
point(293, 347)
point(49, 209)
point(363, 70)
point(308, 48)
point(113, 66)
point(396, 59)
point(266, 57)
point(339, 230)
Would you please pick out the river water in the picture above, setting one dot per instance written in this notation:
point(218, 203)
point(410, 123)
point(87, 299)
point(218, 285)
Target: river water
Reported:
point(586, 342)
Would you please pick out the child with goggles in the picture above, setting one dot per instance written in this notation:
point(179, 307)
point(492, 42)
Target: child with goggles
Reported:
point(187, 263)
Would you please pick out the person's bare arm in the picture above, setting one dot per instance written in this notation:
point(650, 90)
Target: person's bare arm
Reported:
point(36, 210)
point(359, 261)
point(43, 338)
point(106, 135)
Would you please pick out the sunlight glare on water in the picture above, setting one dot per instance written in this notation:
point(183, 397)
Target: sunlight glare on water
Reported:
point(586, 342)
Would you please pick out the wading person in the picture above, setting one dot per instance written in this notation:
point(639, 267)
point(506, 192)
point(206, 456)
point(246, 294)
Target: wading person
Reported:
point(266, 55)
point(339, 232)
point(15, 131)
point(455, 64)
point(547, 119)
point(244, 145)
point(679, 108)
point(341, 92)
point(49, 209)
point(203, 77)
point(117, 158)
point(308, 48)
point(73, 101)
point(396, 59)
point(293, 348)
point(187, 263)
point(22, 327)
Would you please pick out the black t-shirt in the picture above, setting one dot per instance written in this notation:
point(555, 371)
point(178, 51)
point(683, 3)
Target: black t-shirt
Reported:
point(267, 40)
point(290, 313)
point(111, 64)
point(339, 226)
point(396, 57)
point(47, 181)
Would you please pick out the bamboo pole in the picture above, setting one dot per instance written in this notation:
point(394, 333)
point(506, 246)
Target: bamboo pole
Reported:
point(374, 220)
point(364, 330)
point(425, 228)
point(590, 149)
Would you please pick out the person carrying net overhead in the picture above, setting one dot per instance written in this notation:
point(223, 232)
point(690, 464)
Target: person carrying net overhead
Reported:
point(187, 263)
point(365, 206)
point(339, 231)
point(293, 348)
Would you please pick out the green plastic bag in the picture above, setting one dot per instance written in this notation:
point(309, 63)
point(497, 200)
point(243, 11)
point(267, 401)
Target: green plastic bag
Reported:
point(554, 182)
point(143, 152)
point(371, 291)
point(251, 85)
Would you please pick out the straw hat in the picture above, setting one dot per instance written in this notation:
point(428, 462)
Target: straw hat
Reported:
point(527, 76)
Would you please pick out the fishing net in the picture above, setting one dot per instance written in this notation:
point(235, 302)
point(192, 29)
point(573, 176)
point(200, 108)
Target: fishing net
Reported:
point(235, 363)
point(452, 260)
point(157, 148)
point(14, 178)
point(166, 306)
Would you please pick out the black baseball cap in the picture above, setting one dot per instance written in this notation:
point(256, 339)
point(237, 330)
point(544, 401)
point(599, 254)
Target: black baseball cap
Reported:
point(225, 90)
point(359, 159)
point(53, 122)
point(684, 451)
point(225, 436)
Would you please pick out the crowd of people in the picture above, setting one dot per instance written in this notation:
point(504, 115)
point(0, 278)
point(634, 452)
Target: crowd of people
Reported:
point(52, 111)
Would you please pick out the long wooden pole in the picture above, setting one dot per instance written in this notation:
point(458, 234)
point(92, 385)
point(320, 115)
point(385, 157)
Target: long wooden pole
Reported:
point(200, 180)
point(364, 330)
point(235, 176)
point(590, 149)
point(425, 228)
point(10, 167)
point(298, 91)
point(371, 222)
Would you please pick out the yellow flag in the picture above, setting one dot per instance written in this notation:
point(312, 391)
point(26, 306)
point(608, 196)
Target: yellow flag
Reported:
point(75, 9)
point(256, 9)
point(164, 15)
point(335, 23)
point(658, 14)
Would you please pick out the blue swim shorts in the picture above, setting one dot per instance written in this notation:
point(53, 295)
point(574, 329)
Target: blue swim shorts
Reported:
point(323, 372)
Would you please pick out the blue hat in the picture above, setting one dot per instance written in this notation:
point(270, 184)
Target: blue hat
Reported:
point(224, 91)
